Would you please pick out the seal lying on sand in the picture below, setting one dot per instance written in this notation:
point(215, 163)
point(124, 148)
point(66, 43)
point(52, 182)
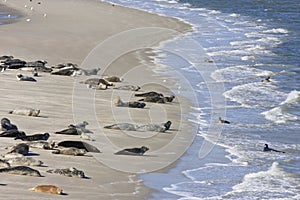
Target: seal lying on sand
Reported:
point(80, 145)
point(4, 164)
point(127, 87)
point(81, 127)
point(42, 145)
point(6, 125)
point(70, 172)
point(12, 133)
point(70, 151)
point(266, 148)
point(131, 104)
point(51, 189)
point(69, 131)
point(113, 79)
point(222, 121)
point(157, 99)
point(25, 111)
point(34, 137)
point(97, 82)
point(24, 161)
point(21, 148)
point(149, 94)
point(86, 72)
point(22, 77)
point(146, 127)
point(21, 170)
point(133, 151)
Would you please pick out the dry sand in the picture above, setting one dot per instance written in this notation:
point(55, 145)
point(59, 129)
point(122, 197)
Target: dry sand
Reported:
point(67, 31)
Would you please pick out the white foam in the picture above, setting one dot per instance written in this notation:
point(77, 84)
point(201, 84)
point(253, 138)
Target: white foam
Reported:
point(293, 97)
point(277, 30)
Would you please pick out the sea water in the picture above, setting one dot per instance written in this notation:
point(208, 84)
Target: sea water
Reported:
point(247, 40)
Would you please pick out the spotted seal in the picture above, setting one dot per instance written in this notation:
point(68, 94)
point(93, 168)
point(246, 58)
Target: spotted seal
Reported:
point(25, 111)
point(144, 127)
point(21, 170)
point(51, 189)
point(127, 87)
point(7, 125)
point(113, 79)
point(149, 94)
point(24, 161)
point(34, 137)
point(266, 148)
point(12, 133)
point(131, 104)
point(80, 145)
point(4, 164)
point(133, 151)
point(22, 77)
point(42, 144)
point(70, 151)
point(70, 172)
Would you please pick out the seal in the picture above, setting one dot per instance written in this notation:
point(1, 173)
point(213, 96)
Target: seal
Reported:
point(133, 151)
point(24, 161)
point(42, 145)
point(86, 72)
point(12, 133)
point(70, 151)
point(81, 127)
point(22, 77)
point(266, 148)
point(128, 87)
point(6, 125)
point(266, 80)
point(113, 79)
point(79, 145)
point(131, 104)
point(144, 127)
point(21, 170)
point(51, 189)
point(222, 121)
point(21, 148)
point(65, 69)
point(158, 99)
point(149, 94)
point(69, 131)
point(34, 137)
point(97, 82)
point(25, 111)
point(70, 172)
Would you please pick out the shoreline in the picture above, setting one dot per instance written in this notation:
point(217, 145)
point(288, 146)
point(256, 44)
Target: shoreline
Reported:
point(131, 66)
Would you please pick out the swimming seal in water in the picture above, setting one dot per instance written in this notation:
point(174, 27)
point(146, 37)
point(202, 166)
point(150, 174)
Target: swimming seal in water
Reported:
point(133, 151)
point(25, 111)
point(21, 170)
point(34, 137)
point(80, 145)
point(51, 189)
point(12, 133)
point(266, 148)
point(222, 121)
point(70, 172)
point(131, 104)
point(22, 77)
point(70, 151)
point(144, 127)
point(6, 125)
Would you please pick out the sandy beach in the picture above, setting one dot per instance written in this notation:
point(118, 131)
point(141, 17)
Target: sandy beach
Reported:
point(119, 41)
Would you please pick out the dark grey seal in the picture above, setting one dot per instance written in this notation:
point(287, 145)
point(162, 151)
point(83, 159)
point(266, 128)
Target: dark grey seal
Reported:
point(21, 148)
point(158, 99)
point(133, 151)
point(12, 133)
point(35, 137)
point(266, 148)
point(131, 104)
point(72, 130)
point(80, 145)
point(222, 121)
point(21, 170)
point(149, 94)
point(70, 172)
point(7, 125)
point(127, 87)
